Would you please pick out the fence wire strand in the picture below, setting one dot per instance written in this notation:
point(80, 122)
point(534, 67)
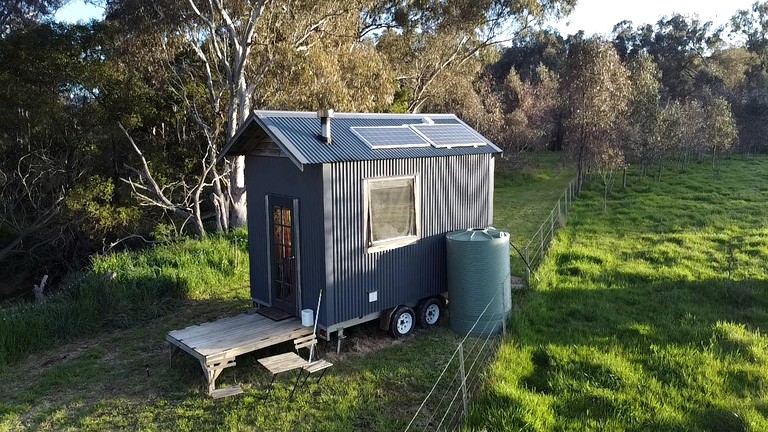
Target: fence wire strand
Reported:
point(478, 354)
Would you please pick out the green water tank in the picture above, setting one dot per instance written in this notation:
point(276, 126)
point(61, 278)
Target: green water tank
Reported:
point(478, 278)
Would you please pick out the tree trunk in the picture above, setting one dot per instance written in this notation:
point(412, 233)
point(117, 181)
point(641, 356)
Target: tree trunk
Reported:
point(238, 216)
point(661, 169)
point(624, 180)
point(580, 171)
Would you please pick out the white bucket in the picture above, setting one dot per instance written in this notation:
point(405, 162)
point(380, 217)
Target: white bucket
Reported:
point(307, 318)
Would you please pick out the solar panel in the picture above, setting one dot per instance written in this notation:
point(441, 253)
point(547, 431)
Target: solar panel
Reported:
point(383, 137)
point(449, 135)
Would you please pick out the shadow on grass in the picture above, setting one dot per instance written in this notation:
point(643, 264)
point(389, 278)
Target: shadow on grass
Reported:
point(121, 378)
point(594, 355)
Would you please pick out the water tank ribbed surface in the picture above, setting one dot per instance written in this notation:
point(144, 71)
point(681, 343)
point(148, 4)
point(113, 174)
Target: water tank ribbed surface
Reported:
point(478, 274)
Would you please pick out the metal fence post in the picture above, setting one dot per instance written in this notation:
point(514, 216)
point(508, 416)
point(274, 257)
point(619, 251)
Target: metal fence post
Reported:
point(552, 223)
point(237, 258)
point(527, 265)
point(463, 380)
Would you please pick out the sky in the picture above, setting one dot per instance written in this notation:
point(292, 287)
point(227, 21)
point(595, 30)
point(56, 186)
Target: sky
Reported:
point(78, 10)
point(592, 16)
point(599, 16)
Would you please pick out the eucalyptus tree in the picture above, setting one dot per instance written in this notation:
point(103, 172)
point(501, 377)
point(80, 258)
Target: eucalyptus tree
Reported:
point(644, 111)
point(691, 139)
point(19, 14)
point(223, 58)
point(678, 44)
point(596, 90)
point(750, 101)
point(752, 24)
point(720, 128)
point(427, 41)
point(47, 131)
point(533, 107)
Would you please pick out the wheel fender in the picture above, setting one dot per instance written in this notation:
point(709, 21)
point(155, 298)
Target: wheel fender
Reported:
point(385, 319)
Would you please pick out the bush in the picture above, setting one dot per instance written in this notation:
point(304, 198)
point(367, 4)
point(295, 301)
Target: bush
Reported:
point(147, 284)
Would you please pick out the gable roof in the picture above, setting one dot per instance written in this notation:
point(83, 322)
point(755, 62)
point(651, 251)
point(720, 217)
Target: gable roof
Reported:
point(297, 135)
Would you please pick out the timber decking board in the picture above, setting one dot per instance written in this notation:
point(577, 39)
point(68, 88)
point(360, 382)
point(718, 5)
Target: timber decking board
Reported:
point(201, 329)
point(215, 344)
point(226, 330)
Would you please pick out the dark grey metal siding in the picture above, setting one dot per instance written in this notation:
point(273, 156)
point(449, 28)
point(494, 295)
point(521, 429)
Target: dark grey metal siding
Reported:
point(279, 176)
point(455, 194)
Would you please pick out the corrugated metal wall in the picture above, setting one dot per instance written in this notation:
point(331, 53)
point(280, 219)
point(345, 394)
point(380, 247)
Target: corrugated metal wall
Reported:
point(455, 194)
point(279, 176)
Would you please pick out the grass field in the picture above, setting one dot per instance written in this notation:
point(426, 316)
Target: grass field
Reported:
point(650, 315)
point(99, 360)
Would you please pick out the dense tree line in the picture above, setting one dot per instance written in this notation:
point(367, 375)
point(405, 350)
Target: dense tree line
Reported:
point(109, 130)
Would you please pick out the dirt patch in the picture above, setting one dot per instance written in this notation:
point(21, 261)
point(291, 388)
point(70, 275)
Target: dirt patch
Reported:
point(367, 339)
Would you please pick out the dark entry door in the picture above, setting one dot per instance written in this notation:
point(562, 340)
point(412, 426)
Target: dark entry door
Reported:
point(284, 254)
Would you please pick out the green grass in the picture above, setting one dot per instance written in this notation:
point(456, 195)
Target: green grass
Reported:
point(99, 361)
point(148, 284)
point(523, 200)
point(650, 315)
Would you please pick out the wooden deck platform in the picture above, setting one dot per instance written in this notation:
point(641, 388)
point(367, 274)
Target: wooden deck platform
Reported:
point(216, 344)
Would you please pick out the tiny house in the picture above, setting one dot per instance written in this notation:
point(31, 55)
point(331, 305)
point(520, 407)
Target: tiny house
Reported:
point(357, 206)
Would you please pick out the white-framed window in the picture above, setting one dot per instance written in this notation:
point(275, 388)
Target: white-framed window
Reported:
point(392, 212)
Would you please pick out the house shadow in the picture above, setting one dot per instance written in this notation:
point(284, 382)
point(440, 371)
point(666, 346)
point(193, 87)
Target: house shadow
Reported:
point(640, 331)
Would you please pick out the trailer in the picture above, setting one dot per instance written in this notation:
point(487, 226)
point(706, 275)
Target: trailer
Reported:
point(356, 206)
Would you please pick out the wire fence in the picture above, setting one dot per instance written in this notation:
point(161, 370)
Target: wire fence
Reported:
point(537, 247)
point(446, 407)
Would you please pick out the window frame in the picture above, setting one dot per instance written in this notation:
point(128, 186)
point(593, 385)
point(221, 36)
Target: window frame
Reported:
point(395, 242)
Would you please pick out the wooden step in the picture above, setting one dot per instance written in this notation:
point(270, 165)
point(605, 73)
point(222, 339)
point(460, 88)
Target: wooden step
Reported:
point(229, 391)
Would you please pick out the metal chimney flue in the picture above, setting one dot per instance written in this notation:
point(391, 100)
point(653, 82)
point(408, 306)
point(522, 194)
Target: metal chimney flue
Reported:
point(325, 124)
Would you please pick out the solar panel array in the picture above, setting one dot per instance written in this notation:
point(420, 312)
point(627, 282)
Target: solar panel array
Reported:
point(449, 135)
point(419, 135)
point(382, 137)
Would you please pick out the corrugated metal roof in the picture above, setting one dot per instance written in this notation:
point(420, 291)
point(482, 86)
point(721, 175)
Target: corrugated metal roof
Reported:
point(298, 134)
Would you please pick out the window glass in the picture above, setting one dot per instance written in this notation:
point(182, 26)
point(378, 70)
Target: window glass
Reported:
point(391, 209)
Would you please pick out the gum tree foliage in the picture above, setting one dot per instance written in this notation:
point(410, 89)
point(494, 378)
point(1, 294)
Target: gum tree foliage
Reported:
point(750, 99)
point(428, 41)
point(720, 128)
point(644, 111)
point(529, 113)
point(596, 90)
point(302, 54)
point(526, 54)
point(222, 59)
point(49, 128)
point(691, 140)
point(752, 23)
point(678, 45)
point(21, 14)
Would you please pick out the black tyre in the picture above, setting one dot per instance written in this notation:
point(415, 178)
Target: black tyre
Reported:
point(429, 312)
point(403, 322)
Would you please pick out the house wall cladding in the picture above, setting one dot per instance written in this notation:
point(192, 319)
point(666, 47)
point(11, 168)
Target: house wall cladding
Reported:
point(455, 194)
point(262, 175)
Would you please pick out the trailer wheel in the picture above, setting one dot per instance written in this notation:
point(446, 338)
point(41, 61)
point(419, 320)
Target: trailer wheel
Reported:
point(403, 321)
point(430, 311)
